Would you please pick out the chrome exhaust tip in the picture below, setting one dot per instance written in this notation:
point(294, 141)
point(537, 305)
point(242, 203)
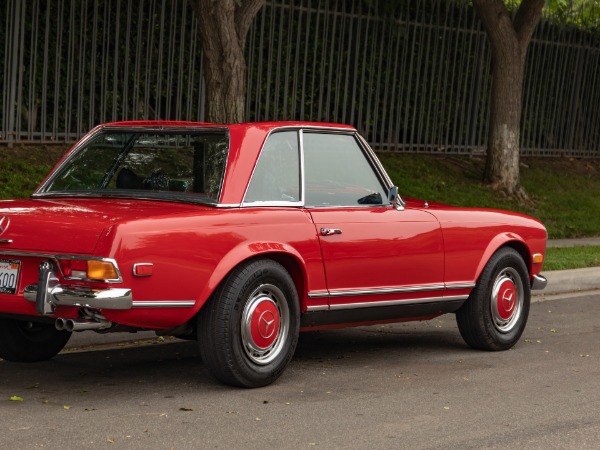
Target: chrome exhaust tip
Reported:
point(85, 324)
point(59, 324)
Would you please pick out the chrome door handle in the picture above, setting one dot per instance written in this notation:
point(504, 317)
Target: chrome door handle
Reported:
point(330, 231)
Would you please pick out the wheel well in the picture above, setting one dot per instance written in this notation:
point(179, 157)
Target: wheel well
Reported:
point(290, 264)
point(294, 269)
point(522, 250)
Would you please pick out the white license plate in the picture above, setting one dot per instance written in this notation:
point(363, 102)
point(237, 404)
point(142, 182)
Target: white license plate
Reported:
point(9, 276)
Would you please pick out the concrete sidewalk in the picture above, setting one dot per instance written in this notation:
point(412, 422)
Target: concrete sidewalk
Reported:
point(574, 280)
point(570, 281)
point(577, 242)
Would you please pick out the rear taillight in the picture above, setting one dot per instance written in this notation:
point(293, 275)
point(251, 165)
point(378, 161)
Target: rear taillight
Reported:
point(89, 269)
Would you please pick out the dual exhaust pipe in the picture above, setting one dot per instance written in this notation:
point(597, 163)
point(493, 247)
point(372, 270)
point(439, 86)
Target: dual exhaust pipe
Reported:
point(71, 325)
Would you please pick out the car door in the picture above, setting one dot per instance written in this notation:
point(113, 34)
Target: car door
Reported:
point(374, 253)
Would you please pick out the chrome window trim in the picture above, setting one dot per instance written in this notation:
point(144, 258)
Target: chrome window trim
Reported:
point(130, 194)
point(279, 203)
point(302, 177)
point(372, 160)
point(300, 202)
point(380, 169)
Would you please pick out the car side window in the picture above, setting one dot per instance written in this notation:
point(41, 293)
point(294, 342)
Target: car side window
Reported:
point(337, 172)
point(276, 177)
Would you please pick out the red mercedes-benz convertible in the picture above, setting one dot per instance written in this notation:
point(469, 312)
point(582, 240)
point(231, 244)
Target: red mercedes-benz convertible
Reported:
point(241, 236)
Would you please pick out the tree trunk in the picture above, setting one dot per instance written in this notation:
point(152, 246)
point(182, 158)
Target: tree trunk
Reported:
point(502, 162)
point(509, 40)
point(224, 25)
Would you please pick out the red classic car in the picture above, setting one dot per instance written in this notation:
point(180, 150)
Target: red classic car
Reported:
point(241, 236)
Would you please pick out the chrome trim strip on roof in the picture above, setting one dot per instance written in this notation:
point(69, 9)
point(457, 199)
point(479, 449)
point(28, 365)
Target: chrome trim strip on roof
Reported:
point(164, 304)
point(396, 302)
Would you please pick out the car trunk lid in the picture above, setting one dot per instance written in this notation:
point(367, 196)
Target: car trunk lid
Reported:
point(71, 226)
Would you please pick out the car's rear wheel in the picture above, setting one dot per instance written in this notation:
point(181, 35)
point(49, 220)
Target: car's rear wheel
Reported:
point(495, 314)
point(248, 330)
point(25, 341)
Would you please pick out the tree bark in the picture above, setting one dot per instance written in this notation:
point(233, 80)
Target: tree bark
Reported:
point(224, 26)
point(509, 40)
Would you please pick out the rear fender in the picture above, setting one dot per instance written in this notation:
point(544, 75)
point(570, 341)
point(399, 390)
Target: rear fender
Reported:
point(280, 252)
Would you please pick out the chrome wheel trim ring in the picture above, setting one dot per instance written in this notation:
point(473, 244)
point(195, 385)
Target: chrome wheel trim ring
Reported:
point(506, 311)
point(271, 298)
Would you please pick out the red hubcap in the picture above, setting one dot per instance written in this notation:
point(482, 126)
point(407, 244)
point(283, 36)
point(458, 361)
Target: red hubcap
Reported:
point(264, 325)
point(507, 299)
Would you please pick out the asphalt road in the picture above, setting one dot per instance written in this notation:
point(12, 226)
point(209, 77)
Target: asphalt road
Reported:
point(412, 385)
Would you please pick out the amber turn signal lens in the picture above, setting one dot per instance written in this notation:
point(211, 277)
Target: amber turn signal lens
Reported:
point(538, 258)
point(101, 270)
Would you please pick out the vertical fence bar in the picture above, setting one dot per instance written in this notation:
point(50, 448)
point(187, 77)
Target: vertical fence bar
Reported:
point(415, 82)
point(13, 56)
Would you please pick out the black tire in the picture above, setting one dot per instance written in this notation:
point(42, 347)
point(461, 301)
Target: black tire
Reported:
point(495, 314)
point(248, 330)
point(24, 341)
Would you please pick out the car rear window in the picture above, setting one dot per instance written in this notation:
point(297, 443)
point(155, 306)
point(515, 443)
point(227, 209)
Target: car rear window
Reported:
point(184, 165)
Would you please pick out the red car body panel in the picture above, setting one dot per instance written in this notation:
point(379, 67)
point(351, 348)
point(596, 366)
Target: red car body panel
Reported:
point(421, 252)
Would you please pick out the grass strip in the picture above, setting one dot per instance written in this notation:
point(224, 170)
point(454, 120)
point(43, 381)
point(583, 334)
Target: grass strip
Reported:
point(563, 258)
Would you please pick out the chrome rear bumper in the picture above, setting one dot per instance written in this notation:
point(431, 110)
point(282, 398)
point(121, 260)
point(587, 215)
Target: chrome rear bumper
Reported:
point(47, 294)
point(97, 298)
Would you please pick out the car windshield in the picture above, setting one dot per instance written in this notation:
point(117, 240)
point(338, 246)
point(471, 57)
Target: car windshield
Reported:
point(181, 165)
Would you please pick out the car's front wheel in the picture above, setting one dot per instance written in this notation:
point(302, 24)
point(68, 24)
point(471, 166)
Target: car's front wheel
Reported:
point(248, 330)
point(25, 341)
point(495, 314)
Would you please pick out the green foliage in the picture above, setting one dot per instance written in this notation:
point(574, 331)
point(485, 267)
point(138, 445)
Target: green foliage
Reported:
point(572, 258)
point(583, 14)
point(24, 168)
point(564, 191)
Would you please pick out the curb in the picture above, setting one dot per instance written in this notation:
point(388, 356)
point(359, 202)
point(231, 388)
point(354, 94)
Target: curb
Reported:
point(570, 281)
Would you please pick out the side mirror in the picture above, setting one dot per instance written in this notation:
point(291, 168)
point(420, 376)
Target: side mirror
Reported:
point(393, 194)
point(394, 198)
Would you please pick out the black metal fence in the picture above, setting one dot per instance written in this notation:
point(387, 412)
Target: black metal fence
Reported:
point(417, 82)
